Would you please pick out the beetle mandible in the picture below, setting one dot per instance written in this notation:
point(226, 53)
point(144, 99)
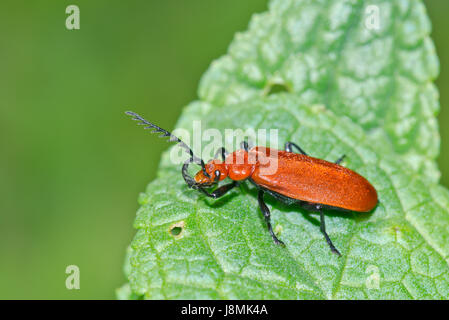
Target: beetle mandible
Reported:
point(310, 182)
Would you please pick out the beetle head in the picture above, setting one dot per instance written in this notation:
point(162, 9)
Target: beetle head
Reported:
point(216, 171)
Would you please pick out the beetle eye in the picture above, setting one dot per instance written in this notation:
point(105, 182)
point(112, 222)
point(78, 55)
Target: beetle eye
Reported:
point(217, 176)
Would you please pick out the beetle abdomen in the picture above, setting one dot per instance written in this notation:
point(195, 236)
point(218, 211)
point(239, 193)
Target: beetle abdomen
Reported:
point(314, 180)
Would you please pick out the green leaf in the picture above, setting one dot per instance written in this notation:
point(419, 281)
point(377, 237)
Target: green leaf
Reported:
point(323, 52)
point(365, 94)
point(400, 250)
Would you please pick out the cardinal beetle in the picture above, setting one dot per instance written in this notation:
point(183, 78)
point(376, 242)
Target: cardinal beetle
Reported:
point(310, 182)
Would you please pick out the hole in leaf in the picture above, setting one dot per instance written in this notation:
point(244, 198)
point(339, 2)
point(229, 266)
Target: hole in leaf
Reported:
point(177, 229)
point(277, 88)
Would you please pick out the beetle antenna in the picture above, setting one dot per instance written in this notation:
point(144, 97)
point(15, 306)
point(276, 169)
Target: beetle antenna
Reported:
point(172, 138)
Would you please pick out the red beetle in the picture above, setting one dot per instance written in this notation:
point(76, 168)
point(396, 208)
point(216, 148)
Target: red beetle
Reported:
point(299, 178)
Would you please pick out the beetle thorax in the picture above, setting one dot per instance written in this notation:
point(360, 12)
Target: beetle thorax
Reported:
point(239, 166)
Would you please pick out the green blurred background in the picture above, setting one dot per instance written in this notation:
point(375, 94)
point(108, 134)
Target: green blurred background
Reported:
point(72, 165)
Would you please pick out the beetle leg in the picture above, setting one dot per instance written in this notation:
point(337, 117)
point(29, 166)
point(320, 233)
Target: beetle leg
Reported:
point(339, 160)
point(246, 145)
point(221, 191)
point(266, 214)
point(289, 147)
point(203, 167)
point(187, 178)
point(323, 230)
point(221, 152)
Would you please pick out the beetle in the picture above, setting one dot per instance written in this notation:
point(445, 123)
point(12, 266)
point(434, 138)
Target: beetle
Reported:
point(299, 179)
